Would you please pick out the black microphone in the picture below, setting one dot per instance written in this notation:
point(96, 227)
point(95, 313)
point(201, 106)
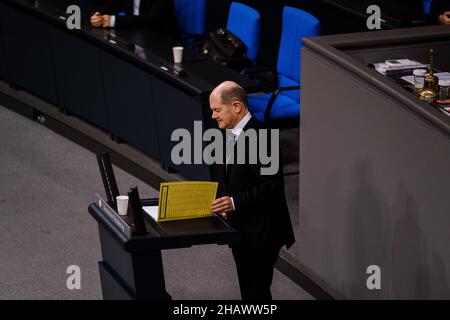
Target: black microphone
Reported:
point(137, 212)
point(109, 180)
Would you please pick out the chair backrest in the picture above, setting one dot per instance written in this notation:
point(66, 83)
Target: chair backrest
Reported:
point(245, 23)
point(190, 16)
point(427, 6)
point(296, 25)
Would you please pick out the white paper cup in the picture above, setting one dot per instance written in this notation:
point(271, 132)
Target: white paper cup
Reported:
point(122, 205)
point(177, 54)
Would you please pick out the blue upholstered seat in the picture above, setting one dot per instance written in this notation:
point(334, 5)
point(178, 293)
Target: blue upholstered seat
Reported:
point(427, 6)
point(286, 104)
point(245, 23)
point(190, 17)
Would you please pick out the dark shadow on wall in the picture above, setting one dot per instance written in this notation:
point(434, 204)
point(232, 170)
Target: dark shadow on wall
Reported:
point(410, 262)
point(418, 270)
point(369, 222)
point(438, 278)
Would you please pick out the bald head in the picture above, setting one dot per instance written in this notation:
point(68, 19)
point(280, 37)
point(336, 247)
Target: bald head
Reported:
point(230, 91)
point(228, 102)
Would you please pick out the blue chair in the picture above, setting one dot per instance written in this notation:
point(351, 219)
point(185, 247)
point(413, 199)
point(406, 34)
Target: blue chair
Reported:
point(245, 23)
point(283, 105)
point(427, 6)
point(190, 17)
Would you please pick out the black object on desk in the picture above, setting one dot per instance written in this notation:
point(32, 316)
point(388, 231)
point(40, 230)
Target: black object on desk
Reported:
point(136, 210)
point(133, 269)
point(109, 180)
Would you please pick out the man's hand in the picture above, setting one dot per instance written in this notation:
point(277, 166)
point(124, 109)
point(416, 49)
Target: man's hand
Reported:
point(106, 21)
point(96, 20)
point(222, 206)
point(445, 18)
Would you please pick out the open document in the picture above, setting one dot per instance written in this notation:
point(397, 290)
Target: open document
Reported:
point(183, 200)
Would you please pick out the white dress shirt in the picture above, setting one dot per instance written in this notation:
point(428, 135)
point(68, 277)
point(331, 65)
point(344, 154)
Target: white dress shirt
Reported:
point(241, 124)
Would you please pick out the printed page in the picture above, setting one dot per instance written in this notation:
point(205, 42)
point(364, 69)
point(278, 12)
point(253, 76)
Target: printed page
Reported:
point(186, 200)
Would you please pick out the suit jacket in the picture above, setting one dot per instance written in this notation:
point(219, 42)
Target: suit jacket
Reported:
point(261, 213)
point(158, 15)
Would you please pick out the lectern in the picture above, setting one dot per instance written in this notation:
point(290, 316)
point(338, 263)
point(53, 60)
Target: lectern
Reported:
point(131, 266)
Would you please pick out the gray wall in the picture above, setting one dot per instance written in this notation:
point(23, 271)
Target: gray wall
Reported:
point(374, 189)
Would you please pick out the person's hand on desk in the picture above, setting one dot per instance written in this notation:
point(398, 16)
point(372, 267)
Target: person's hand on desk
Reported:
point(96, 19)
point(222, 206)
point(445, 18)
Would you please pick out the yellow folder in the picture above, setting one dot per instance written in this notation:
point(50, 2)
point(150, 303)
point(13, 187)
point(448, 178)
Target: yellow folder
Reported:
point(185, 200)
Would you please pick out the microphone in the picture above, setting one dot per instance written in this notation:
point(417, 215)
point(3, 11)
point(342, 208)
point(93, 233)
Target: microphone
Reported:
point(137, 212)
point(109, 180)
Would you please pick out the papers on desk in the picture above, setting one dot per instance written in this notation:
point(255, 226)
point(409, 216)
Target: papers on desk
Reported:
point(152, 211)
point(183, 200)
point(440, 75)
point(396, 65)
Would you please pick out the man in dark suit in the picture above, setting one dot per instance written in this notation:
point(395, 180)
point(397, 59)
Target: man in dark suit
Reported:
point(252, 202)
point(158, 15)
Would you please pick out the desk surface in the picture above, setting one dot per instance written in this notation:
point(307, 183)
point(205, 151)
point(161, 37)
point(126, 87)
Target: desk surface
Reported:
point(146, 48)
point(395, 14)
point(171, 234)
point(354, 51)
